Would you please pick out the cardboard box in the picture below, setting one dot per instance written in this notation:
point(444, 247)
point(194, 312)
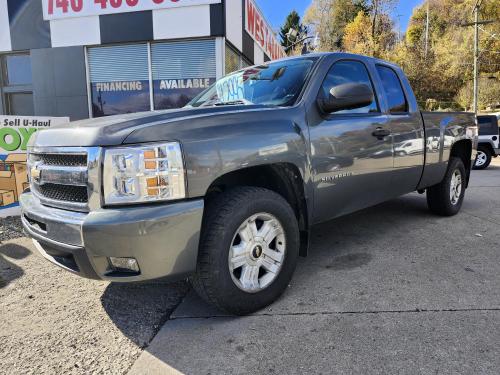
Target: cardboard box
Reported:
point(6, 197)
point(14, 174)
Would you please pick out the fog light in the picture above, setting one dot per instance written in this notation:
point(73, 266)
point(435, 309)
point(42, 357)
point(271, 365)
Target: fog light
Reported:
point(124, 264)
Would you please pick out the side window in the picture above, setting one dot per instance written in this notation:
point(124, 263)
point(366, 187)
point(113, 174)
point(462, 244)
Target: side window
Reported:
point(349, 72)
point(393, 90)
point(487, 125)
point(16, 85)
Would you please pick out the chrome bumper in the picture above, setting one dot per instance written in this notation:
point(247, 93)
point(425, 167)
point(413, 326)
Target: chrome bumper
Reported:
point(162, 238)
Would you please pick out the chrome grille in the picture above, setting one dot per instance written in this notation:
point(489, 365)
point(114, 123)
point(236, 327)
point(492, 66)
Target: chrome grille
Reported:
point(66, 193)
point(67, 160)
point(60, 177)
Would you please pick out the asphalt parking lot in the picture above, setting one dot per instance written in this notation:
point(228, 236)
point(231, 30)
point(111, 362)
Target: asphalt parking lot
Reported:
point(391, 289)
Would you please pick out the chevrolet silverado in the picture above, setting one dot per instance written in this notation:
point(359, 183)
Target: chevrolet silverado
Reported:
point(225, 190)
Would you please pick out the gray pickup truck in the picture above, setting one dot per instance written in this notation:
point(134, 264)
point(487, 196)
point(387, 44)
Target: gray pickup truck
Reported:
point(226, 190)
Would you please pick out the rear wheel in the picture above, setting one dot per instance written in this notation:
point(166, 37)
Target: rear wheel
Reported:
point(483, 159)
point(248, 250)
point(447, 197)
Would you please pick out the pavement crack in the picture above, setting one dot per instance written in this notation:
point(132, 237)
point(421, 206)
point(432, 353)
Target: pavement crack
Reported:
point(481, 218)
point(365, 312)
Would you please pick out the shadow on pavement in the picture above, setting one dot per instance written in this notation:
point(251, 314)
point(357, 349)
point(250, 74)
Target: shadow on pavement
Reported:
point(8, 270)
point(349, 261)
point(139, 310)
point(366, 226)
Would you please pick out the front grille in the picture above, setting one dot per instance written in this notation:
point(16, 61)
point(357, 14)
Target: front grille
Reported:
point(60, 178)
point(68, 193)
point(63, 160)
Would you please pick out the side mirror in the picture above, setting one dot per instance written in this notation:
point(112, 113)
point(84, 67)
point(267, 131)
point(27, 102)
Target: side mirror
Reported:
point(347, 96)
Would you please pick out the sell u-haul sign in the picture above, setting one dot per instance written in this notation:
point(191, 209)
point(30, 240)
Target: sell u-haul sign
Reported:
point(258, 28)
point(59, 9)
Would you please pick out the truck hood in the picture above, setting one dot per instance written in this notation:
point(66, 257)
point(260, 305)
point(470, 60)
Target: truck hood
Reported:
point(114, 130)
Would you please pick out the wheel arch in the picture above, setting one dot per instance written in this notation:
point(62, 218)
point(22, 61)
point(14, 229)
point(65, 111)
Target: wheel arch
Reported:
point(487, 145)
point(284, 179)
point(463, 149)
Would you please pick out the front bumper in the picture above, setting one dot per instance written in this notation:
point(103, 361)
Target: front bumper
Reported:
point(497, 151)
point(162, 238)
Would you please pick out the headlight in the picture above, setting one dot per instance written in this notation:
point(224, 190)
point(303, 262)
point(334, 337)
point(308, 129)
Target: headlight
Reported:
point(146, 173)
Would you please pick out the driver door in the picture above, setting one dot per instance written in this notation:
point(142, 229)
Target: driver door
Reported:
point(351, 150)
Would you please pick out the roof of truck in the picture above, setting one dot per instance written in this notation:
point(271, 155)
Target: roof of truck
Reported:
point(341, 55)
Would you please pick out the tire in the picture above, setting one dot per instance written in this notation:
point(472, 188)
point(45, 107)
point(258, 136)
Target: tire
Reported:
point(440, 198)
point(483, 159)
point(237, 211)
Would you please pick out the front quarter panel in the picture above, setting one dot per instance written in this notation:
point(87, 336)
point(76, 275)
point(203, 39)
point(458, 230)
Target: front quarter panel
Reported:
point(219, 144)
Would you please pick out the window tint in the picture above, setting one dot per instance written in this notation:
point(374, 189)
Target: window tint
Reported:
point(487, 125)
point(275, 84)
point(393, 90)
point(349, 72)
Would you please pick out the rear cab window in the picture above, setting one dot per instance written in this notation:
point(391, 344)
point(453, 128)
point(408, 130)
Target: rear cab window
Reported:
point(396, 98)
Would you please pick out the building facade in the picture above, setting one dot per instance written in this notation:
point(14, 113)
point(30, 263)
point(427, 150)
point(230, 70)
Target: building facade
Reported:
point(92, 58)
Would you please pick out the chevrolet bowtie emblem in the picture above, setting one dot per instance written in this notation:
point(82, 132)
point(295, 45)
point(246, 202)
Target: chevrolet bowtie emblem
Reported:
point(36, 174)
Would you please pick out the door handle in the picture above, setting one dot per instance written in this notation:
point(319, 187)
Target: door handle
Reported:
point(381, 133)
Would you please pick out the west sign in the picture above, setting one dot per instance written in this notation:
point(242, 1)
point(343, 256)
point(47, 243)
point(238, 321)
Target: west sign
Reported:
point(258, 28)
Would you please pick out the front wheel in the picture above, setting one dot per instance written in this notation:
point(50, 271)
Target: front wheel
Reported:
point(248, 250)
point(483, 159)
point(446, 198)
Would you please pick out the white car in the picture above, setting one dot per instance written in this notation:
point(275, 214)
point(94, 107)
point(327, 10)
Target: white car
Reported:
point(489, 139)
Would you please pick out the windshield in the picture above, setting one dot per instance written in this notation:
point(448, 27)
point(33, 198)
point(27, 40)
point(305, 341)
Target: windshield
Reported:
point(274, 84)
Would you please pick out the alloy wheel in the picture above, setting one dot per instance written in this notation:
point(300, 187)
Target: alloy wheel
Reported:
point(257, 252)
point(481, 159)
point(455, 187)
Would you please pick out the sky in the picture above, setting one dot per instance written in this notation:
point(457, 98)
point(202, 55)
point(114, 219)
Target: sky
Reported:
point(276, 10)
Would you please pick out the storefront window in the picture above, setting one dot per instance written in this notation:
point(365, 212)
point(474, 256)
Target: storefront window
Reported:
point(20, 104)
point(181, 70)
point(234, 60)
point(18, 69)
point(16, 92)
point(119, 79)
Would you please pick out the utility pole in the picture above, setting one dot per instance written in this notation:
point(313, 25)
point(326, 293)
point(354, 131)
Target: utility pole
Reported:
point(476, 55)
point(427, 30)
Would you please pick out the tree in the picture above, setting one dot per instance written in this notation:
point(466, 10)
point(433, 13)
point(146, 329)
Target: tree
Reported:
point(292, 22)
point(360, 38)
point(446, 72)
point(489, 93)
point(330, 17)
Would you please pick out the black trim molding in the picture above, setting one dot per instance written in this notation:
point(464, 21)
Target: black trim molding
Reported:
point(126, 27)
point(217, 20)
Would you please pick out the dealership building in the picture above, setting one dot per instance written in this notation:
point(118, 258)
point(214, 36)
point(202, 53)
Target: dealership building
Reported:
point(92, 58)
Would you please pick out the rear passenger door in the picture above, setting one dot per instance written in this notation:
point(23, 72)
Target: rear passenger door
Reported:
point(407, 129)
